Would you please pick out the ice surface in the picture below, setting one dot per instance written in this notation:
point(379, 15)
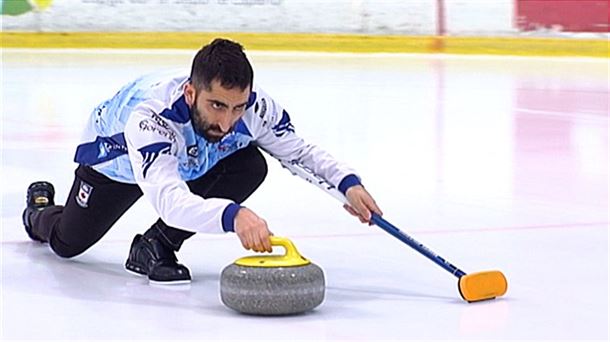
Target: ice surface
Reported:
point(492, 162)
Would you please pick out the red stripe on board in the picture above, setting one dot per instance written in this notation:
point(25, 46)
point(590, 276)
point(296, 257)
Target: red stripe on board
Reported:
point(418, 232)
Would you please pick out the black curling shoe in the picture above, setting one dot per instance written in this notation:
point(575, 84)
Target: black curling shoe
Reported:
point(39, 196)
point(150, 257)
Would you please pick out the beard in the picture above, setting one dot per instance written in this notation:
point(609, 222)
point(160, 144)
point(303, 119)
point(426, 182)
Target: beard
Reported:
point(211, 132)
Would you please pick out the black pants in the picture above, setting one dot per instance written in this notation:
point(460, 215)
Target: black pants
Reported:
point(72, 229)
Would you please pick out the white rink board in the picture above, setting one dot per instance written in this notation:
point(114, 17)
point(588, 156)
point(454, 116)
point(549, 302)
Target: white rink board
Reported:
point(411, 17)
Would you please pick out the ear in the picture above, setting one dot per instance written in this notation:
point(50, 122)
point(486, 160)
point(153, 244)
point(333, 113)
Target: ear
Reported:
point(189, 93)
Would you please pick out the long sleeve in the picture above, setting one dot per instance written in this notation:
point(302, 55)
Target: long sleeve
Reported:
point(274, 132)
point(152, 153)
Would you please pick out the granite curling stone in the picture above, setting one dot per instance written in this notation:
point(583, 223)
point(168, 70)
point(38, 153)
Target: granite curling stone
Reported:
point(273, 285)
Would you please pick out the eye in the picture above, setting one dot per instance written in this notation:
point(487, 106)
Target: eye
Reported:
point(216, 105)
point(239, 109)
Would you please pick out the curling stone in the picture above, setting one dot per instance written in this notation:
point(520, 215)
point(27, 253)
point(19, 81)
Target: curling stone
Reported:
point(272, 284)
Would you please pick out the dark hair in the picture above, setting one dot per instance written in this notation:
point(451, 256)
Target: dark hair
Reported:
point(224, 60)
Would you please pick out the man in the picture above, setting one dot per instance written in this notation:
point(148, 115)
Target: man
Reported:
point(190, 146)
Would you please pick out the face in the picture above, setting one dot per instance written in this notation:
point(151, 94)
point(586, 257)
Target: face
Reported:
point(215, 111)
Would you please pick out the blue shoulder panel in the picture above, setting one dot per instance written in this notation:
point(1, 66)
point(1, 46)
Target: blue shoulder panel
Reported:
point(251, 99)
point(101, 150)
point(240, 127)
point(179, 112)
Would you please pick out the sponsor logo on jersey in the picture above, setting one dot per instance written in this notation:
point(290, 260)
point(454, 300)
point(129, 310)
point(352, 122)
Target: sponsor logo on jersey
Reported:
point(84, 192)
point(99, 110)
point(158, 127)
point(231, 142)
point(159, 121)
point(150, 153)
point(107, 147)
point(227, 142)
point(230, 146)
point(263, 108)
point(192, 151)
point(101, 150)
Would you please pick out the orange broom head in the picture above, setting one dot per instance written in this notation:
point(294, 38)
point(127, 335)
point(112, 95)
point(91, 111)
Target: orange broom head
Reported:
point(485, 285)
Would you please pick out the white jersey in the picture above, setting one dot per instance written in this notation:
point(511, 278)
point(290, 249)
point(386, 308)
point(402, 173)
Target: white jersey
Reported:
point(143, 135)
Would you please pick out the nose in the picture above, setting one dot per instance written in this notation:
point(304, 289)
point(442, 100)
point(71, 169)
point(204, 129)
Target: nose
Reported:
point(225, 123)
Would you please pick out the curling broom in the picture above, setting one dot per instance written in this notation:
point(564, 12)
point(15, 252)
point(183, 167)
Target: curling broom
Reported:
point(473, 287)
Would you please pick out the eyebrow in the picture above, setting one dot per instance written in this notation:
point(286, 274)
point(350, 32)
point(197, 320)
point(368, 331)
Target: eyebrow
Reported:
point(227, 106)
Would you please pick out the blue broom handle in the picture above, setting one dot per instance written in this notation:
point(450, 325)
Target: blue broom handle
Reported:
point(319, 181)
point(388, 227)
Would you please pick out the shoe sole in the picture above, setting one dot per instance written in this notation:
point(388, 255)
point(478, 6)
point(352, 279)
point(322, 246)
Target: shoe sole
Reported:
point(169, 283)
point(135, 271)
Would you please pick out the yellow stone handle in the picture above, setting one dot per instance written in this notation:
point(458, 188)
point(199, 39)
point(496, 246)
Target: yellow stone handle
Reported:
point(291, 256)
point(291, 251)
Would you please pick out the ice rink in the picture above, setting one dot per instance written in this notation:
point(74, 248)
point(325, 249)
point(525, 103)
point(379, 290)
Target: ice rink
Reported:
point(492, 162)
